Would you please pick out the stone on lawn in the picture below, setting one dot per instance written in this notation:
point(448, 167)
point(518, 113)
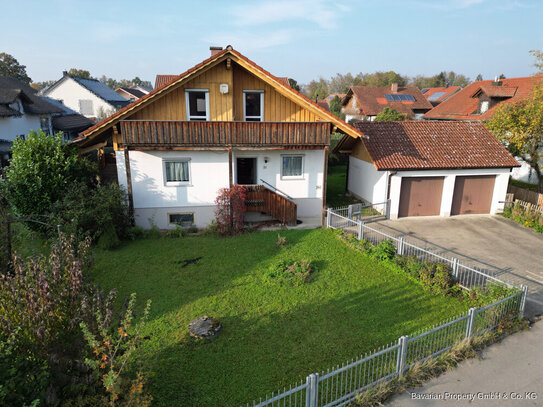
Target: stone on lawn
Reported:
point(205, 327)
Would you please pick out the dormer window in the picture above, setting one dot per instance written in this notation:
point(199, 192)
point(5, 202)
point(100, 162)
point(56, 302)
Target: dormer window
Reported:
point(253, 105)
point(484, 106)
point(197, 101)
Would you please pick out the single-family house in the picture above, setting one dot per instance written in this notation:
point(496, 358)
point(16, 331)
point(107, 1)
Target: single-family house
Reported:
point(67, 121)
point(132, 93)
point(89, 97)
point(479, 101)
point(225, 121)
point(437, 95)
point(426, 168)
point(366, 102)
point(21, 110)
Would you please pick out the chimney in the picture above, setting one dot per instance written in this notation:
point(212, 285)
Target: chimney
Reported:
point(394, 88)
point(215, 50)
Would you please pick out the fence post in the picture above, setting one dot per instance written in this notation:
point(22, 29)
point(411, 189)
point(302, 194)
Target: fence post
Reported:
point(401, 242)
point(312, 390)
point(471, 322)
point(523, 300)
point(328, 212)
point(387, 209)
point(455, 268)
point(402, 354)
point(360, 230)
point(350, 212)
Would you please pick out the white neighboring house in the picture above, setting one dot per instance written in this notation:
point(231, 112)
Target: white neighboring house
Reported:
point(425, 168)
point(21, 111)
point(89, 97)
point(225, 121)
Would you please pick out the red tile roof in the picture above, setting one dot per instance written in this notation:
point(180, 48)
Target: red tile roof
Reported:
point(464, 104)
point(371, 99)
point(162, 80)
point(447, 92)
point(421, 145)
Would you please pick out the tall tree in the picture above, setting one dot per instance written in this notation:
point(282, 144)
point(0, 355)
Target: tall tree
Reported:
point(538, 55)
point(41, 85)
point(479, 78)
point(317, 89)
point(388, 114)
point(520, 127)
point(294, 84)
point(335, 107)
point(9, 66)
point(341, 83)
point(384, 79)
point(79, 73)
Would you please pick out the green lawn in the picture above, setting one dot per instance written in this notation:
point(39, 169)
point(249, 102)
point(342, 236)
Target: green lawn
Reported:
point(335, 187)
point(272, 335)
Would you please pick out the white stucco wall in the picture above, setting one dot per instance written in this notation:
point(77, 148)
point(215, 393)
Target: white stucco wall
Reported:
point(70, 92)
point(525, 173)
point(208, 173)
point(11, 127)
point(500, 187)
point(366, 182)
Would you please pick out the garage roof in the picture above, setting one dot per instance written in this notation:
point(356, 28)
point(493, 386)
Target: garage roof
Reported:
point(432, 145)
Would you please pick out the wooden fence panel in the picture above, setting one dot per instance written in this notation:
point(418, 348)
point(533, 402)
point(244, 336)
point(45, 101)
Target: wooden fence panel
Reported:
point(526, 195)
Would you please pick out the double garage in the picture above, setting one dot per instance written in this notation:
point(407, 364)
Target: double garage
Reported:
point(422, 196)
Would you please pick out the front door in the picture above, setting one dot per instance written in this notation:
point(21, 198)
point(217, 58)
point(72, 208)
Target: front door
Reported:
point(246, 171)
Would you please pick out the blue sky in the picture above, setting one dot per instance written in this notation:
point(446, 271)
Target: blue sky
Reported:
point(302, 39)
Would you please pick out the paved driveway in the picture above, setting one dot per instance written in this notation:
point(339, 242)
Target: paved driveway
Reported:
point(513, 252)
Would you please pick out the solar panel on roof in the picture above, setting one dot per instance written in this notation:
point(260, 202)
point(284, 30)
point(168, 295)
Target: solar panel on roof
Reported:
point(436, 95)
point(399, 98)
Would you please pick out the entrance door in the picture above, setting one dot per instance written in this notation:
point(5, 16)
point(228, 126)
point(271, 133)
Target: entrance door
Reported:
point(246, 171)
point(472, 194)
point(420, 196)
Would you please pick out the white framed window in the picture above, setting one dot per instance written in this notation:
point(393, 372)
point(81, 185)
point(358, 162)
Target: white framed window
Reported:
point(181, 219)
point(197, 102)
point(45, 124)
point(176, 171)
point(253, 105)
point(292, 166)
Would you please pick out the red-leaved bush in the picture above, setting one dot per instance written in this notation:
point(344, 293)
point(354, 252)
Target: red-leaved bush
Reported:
point(231, 208)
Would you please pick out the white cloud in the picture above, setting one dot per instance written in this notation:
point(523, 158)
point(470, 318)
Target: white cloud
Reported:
point(322, 13)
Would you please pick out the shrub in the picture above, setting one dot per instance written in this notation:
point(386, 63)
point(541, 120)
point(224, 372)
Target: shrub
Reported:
point(410, 264)
point(230, 212)
point(176, 232)
point(293, 272)
point(103, 211)
point(281, 240)
point(385, 250)
point(135, 233)
point(42, 170)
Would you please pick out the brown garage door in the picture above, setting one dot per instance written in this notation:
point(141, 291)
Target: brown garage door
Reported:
point(420, 196)
point(472, 194)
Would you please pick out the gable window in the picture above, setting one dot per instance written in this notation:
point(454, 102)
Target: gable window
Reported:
point(293, 166)
point(45, 123)
point(253, 105)
point(176, 172)
point(85, 107)
point(197, 102)
point(181, 219)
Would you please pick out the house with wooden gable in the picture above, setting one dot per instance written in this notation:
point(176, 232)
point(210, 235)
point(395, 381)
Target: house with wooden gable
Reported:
point(225, 121)
point(366, 102)
point(423, 168)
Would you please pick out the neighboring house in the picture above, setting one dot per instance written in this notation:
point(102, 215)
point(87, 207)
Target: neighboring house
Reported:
point(428, 167)
point(21, 110)
point(225, 121)
point(437, 95)
point(68, 121)
point(162, 80)
point(130, 93)
point(479, 101)
point(325, 103)
point(366, 102)
point(88, 97)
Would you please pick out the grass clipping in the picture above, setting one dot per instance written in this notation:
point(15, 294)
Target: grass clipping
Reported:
point(416, 375)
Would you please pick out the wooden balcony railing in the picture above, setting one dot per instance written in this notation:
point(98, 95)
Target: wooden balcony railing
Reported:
point(262, 199)
point(157, 133)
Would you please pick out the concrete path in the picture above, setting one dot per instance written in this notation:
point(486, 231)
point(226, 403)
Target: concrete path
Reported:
point(510, 373)
point(512, 252)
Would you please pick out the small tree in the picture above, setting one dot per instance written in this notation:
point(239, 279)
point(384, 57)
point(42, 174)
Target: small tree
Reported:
point(520, 127)
point(79, 73)
point(335, 107)
point(230, 212)
point(41, 170)
point(388, 114)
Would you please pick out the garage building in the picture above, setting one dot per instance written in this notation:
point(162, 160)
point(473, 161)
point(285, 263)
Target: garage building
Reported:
point(425, 168)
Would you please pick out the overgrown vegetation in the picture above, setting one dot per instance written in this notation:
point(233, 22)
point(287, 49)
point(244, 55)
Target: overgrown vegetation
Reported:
point(230, 212)
point(291, 272)
point(43, 356)
point(388, 114)
point(528, 217)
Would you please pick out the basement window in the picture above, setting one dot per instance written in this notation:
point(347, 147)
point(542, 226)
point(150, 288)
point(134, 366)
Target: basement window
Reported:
point(253, 105)
point(181, 219)
point(197, 102)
